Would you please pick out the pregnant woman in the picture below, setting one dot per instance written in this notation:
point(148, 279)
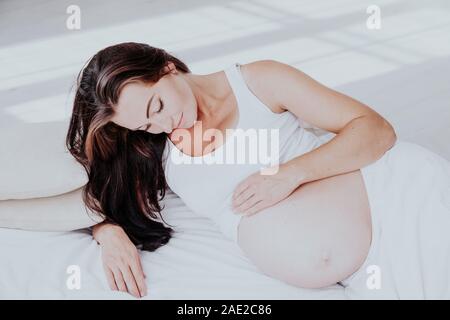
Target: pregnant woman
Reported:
point(139, 120)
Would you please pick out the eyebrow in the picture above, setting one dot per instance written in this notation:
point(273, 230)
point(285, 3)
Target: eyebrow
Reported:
point(148, 108)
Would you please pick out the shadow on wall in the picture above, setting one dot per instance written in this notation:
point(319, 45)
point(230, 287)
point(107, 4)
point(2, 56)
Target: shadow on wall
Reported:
point(52, 24)
point(24, 22)
point(414, 98)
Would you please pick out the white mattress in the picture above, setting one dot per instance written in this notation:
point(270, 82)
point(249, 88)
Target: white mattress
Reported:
point(197, 263)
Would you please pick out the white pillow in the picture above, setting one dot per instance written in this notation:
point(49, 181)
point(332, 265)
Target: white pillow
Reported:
point(63, 212)
point(34, 161)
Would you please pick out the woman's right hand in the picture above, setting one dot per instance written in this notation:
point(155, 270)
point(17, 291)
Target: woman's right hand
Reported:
point(121, 260)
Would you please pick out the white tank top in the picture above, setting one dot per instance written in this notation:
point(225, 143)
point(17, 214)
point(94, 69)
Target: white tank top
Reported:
point(207, 188)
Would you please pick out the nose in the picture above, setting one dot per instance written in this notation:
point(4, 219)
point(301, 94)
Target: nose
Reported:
point(166, 124)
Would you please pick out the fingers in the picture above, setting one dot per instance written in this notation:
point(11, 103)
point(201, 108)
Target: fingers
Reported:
point(127, 278)
point(249, 204)
point(122, 265)
point(118, 278)
point(130, 281)
point(240, 188)
point(257, 207)
point(139, 275)
point(110, 278)
point(244, 196)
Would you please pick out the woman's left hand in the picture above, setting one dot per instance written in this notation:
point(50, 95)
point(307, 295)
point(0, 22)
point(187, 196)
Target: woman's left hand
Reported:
point(258, 191)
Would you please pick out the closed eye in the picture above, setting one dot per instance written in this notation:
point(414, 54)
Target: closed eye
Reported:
point(159, 110)
point(161, 106)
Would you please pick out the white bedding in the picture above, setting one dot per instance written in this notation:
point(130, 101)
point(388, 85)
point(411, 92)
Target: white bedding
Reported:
point(197, 263)
point(409, 195)
point(401, 71)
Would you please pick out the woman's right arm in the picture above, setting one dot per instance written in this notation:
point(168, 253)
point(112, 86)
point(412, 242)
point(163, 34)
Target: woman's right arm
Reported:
point(121, 260)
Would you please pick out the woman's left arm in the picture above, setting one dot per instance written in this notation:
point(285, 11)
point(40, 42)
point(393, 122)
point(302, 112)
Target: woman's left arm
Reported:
point(360, 142)
point(362, 135)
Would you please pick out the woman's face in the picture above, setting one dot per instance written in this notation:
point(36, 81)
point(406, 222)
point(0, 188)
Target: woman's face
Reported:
point(157, 107)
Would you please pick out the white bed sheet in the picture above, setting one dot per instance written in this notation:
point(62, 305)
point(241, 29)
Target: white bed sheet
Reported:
point(197, 263)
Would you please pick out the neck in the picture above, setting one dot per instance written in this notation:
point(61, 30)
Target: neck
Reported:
point(208, 92)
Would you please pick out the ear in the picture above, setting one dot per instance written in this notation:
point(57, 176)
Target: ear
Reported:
point(171, 67)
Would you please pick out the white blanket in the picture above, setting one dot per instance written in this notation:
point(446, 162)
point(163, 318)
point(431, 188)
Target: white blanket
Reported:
point(197, 263)
point(409, 194)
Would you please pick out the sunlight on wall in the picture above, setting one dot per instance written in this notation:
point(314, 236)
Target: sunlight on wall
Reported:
point(325, 39)
point(53, 108)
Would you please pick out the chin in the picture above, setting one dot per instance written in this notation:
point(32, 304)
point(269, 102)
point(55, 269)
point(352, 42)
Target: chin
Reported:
point(187, 123)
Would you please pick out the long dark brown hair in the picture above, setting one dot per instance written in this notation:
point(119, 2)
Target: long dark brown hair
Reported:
point(125, 174)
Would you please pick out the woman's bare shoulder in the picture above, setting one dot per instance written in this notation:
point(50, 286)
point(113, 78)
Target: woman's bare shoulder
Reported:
point(256, 77)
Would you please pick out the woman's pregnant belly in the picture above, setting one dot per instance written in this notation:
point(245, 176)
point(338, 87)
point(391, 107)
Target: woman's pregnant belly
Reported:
point(317, 236)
